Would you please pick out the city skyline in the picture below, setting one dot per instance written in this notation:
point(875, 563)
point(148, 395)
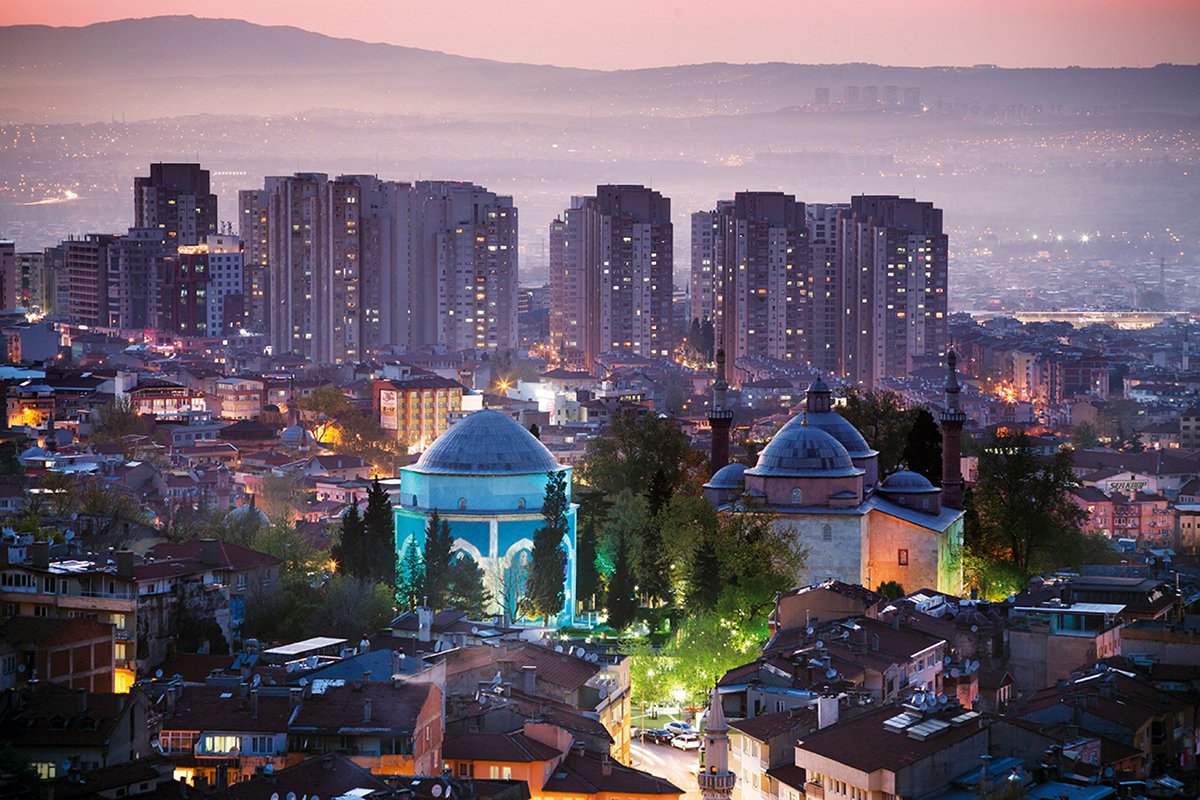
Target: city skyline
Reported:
point(1119, 33)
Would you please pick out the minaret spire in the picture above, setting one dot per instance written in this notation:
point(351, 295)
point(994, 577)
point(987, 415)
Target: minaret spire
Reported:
point(952, 419)
point(715, 779)
point(720, 416)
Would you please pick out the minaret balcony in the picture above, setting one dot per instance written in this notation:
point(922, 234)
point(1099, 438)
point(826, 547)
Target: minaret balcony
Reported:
point(716, 781)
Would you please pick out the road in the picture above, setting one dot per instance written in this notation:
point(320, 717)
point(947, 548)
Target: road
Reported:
point(677, 766)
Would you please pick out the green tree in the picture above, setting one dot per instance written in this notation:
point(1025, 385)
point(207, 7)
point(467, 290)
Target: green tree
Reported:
point(590, 516)
point(923, 446)
point(1025, 516)
point(548, 563)
point(507, 579)
point(704, 578)
point(380, 529)
point(351, 607)
point(438, 543)
point(882, 419)
point(621, 604)
point(410, 576)
point(279, 496)
point(1085, 436)
point(634, 446)
point(892, 590)
point(350, 550)
point(535, 430)
point(328, 400)
point(628, 517)
point(116, 420)
point(653, 565)
point(464, 587)
point(299, 557)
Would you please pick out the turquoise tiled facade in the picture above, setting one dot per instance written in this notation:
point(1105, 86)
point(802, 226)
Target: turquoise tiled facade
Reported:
point(486, 477)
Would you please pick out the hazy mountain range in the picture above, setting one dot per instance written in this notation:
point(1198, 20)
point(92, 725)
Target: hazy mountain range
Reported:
point(168, 66)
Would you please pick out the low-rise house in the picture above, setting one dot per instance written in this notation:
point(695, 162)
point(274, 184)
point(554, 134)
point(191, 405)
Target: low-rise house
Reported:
point(51, 725)
point(761, 744)
point(390, 728)
point(331, 775)
point(893, 752)
point(1049, 640)
point(218, 736)
point(72, 652)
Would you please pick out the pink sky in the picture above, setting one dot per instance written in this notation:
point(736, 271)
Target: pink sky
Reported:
point(612, 34)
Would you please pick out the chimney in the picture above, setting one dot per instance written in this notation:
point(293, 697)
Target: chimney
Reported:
point(295, 698)
point(1066, 595)
point(424, 624)
point(366, 676)
point(254, 704)
point(529, 673)
point(83, 701)
point(367, 711)
point(605, 764)
point(875, 642)
point(39, 555)
point(125, 564)
point(827, 711)
point(210, 552)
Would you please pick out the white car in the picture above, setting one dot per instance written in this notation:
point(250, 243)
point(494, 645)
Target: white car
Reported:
point(678, 728)
point(686, 741)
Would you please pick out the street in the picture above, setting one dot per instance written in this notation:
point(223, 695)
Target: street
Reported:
point(677, 766)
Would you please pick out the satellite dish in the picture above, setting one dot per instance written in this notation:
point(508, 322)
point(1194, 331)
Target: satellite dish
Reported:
point(974, 629)
point(257, 680)
point(474, 629)
point(158, 673)
point(20, 668)
point(274, 795)
point(436, 791)
point(291, 796)
point(809, 630)
point(558, 648)
point(845, 634)
point(269, 769)
point(946, 661)
point(831, 673)
point(304, 681)
point(954, 673)
point(820, 644)
point(603, 693)
point(1108, 772)
point(66, 766)
point(289, 667)
point(942, 699)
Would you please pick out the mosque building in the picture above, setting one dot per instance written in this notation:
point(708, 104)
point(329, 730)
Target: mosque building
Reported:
point(820, 480)
point(486, 476)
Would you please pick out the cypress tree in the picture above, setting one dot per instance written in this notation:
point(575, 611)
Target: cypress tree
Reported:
point(348, 552)
point(380, 540)
point(621, 604)
point(548, 562)
point(437, 560)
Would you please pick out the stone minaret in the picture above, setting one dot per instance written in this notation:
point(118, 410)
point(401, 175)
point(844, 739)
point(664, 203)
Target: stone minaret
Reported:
point(720, 416)
point(714, 777)
point(952, 419)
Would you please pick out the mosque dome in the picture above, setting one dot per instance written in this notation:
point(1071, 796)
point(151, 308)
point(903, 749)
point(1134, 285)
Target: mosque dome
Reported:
point(295, 436)
point(840, 428)
point(803, 450)
point(730, 476)
point(907, 482)
point(486, 443)
point(32, 454)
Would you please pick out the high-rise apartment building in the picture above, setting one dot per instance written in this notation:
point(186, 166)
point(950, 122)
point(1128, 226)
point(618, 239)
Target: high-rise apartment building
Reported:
point(357, 265)
point(134, 275)
point(36, 289)
point(253, 227)
point(824, 288)
point(611, 262)
point(202, 288)
point(761, 282)
point(893, 276)
point(704, 237)
point(85, 266)
point(177, 199)
point(10, 280)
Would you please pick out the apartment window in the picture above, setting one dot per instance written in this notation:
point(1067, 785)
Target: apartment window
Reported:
point(466, 769)
point(10, 664)
point(827, 533)
point(902, 557)
point(262, 745)
point(797, 496)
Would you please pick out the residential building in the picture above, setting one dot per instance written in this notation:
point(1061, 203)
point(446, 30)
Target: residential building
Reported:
point(417, 409)
point(163, 400)
point(705, 235)
point(611, 276)
point(761, 280)
point(50, 726)
point(86, 263)
point(134, 275)
point(177, 199)
point(73, 652)
point(893, 286)
point(10, 277)
point(759, 745)
point(893, 752)
point(202, 289)
point(240, 398)
point(1049, 640)
point(254, 209)
point(824, 286)
point(36, 292)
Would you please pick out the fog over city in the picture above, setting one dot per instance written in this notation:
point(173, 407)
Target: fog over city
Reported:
point(1010, 154)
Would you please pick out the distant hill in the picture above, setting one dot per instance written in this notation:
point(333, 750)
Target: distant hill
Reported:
point(174, 65)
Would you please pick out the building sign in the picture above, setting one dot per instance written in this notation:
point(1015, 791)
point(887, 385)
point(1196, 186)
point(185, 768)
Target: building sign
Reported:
point(1127, 487)
point(387, 410)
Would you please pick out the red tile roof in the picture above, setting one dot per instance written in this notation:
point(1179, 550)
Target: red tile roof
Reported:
point(516, 748)
point(585, 773)
point(329, 775)
point(221, 708)
point(235, 556)
point(394, 707)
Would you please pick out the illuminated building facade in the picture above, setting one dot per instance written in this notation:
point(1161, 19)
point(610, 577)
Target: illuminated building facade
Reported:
point(178, 200)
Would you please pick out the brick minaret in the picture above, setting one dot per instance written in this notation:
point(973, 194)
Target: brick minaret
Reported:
point(720, 416)
point(952, 419)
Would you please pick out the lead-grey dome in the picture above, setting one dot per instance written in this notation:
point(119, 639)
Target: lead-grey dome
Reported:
point(840, 428)
point(802, 450)
point(730, 476)
point(486, 443)
point(906, 482)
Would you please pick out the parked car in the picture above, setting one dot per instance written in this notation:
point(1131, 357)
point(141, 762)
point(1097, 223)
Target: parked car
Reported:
point(676, 728)
point(659, 736)
point(686, 741)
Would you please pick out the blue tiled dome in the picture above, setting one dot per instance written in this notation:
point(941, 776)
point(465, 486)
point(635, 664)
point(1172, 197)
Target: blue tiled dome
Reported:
point(730, 476)
point(806, 451)
point(486, 443)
